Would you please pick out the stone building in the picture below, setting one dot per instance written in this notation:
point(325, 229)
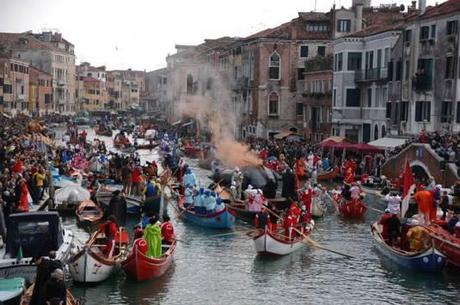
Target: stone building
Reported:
point(360, 89)
point(40, 92)
point(92, 92)
point(51, 53)
point(114, 90)
point(132, 87)
point(154, 97)
point(425, 79)
point(14, 78)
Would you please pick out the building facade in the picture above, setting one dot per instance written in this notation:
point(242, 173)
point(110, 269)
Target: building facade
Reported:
point(14, 76)
point(40, 92)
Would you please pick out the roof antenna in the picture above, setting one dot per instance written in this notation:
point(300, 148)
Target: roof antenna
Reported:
point(315, 4)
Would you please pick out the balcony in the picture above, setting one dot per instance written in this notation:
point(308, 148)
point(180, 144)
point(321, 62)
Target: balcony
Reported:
point(371, 75)
point(421, 82)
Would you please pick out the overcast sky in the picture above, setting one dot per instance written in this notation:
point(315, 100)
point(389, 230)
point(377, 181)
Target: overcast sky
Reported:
point(139, 34)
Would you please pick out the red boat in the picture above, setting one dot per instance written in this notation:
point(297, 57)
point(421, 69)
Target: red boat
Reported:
point(446, 243)
point(352, 209)
point(140, 267)
point(192, 151)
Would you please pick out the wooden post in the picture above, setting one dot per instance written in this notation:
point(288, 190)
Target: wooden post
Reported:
point(162, 199)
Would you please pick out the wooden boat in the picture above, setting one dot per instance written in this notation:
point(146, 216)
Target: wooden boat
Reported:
point(328, 176)
point(240, 209)
point(352, 209)
point(104, 194)
point(192, 151)
point(140, 267)
point(119, 142)
point(91, 265)
point(11, 290)
point(276, 243)
point(146, 146)
point(26, 298)
point(427, 260)
point(446, 243)
point(103, 132)
point(224, 219)
point(36, 234)
point(89, 212)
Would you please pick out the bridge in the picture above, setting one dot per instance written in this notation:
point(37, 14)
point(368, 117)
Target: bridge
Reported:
point(424, 161)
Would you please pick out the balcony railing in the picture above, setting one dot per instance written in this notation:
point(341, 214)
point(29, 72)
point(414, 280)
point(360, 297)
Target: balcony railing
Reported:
point(370, 75)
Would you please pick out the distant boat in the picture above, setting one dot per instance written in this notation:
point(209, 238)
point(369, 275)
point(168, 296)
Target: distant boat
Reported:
point(140, 267)
point(104, 194)
point(31, 235)
point(427, 260)
point(88, 212)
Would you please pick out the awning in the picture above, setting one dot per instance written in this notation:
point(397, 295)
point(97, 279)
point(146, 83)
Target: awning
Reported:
point(388, 143)
point(283, 134)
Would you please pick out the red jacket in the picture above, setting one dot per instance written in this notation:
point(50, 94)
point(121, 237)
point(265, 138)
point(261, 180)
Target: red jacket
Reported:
point(167, 231)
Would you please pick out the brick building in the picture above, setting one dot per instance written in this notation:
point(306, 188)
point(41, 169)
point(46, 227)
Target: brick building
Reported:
point(40, 91)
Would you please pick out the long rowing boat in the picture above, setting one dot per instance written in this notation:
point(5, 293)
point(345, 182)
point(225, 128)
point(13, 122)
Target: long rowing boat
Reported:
point(446, 243)
point(426, 260)
point(140, 267)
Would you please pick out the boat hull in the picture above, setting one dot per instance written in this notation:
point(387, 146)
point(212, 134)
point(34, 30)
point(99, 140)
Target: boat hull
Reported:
point(429, 260)
point(220, 220)
point(331, 175)
point(267, 243)
point(88, 267)
point(242, 213)
point(141, 268)
point(446, 243)
point(133, 203)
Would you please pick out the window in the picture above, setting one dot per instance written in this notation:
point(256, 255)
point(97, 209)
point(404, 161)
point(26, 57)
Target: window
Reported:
point(22, 89)
point(273, 103)
point(321, 51)
point(450, 67)
point(378, 96)
point(369, 97)
point(422, 111)
point(304, 51)
point(338, 62)
point(189, 84)
point(274, 66)
point(299, 109)
point(354, 61)
point(451, 28)
point(379, 58)
point(398, 70)
point(47, 98)
point(388, 112)
point(424, 32)
point(390, 71)
point(366, 133)
point(433, 31)
point(446, 112)
point(300, 72)
point(376, 132)
point(386, 57)
point(406, 70)
point(403, 111)
point(344, 25)
point(353, 98)
point(334, 97)
point(425, 70)
point(458, 112)
point(384, 131)
point(317, 27)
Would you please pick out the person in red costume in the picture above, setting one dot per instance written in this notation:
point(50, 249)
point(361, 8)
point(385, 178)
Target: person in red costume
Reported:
point(109, 228)
point(306, 196)
point(424, 201)
point(167, 231)
point(384, 222)
point(349, 176)
point(288, 226)
point(295, 212)
point(18, 166)
point(24, 198)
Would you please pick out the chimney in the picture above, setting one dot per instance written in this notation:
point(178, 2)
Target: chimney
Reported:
point(359, 17)
point(422, 6)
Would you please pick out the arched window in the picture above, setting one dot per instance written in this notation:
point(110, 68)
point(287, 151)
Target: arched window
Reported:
point(273, 104)
point(384, 132)
point(274, 66)
point(376, 132)
point(189, 84)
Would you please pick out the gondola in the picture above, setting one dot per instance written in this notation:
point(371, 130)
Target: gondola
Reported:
point(140, 267)
point(91, 265)
point(240, 209)
point(328, 176)
point(426, 260)
point(103, 132)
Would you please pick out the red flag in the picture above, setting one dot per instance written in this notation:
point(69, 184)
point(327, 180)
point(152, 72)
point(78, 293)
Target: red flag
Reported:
point(408, 180)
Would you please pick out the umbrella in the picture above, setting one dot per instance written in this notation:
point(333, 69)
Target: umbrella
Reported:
point(71, 194)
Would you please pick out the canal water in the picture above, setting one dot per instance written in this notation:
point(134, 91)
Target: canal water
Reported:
point(226, 270)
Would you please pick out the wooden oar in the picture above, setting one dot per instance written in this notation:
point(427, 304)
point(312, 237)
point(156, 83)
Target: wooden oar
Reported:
point(231, 233)
point(310, 241)
point(182, 241)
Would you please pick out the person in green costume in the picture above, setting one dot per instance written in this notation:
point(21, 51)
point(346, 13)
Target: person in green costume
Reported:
point(152, 235)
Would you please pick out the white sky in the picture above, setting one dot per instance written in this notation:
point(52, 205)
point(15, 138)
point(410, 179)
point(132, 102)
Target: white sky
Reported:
point(138, 34)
